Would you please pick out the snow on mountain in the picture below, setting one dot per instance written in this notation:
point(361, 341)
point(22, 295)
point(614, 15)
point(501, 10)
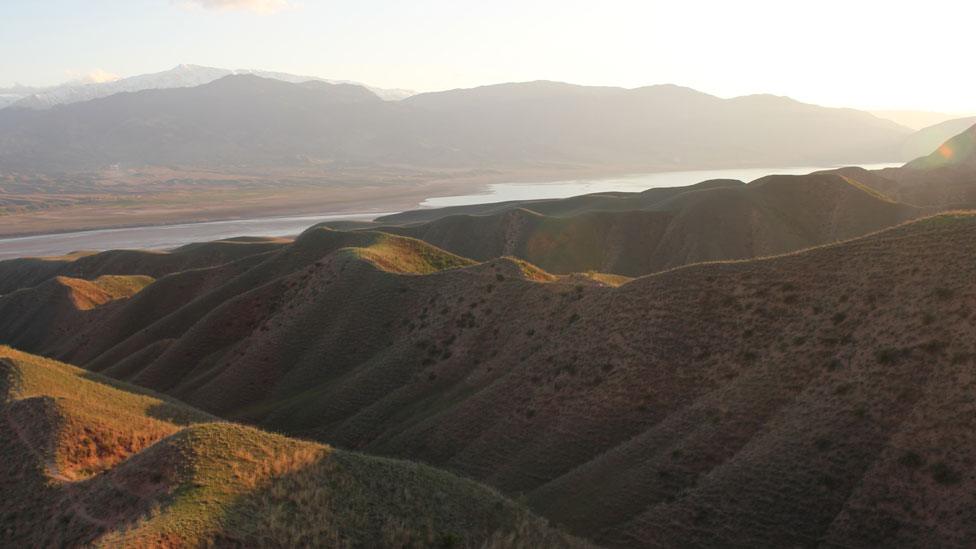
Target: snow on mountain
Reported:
point(182, 76)
point(8, 98)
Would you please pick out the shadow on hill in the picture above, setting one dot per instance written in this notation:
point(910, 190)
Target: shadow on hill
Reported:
point(29, 272)
point(8, 377)
point(351, 500)
point(634, 234)
point(167, 409)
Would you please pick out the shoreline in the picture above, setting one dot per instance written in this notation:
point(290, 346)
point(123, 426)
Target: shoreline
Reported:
point(340, 216)
point(311, 199)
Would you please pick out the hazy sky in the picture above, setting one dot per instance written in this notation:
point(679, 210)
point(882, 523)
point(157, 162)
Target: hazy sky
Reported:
point(858, 53)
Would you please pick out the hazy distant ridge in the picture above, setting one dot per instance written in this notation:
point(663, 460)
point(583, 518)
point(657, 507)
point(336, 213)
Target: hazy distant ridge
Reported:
point(181, 76)
point(246, 120)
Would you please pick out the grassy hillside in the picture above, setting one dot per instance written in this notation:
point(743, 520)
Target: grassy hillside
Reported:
point(961, 149)
point(781, 401)
point(28, 272)
point(91, 461)
point(739, 395)
point(944, 179)
point(640, 233)
point(46, 314)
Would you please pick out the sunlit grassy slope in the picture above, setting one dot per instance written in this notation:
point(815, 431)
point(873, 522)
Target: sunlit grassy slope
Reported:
point(90, 461)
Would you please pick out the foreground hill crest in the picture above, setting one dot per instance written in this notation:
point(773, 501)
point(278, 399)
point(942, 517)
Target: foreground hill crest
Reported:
point(94, 462)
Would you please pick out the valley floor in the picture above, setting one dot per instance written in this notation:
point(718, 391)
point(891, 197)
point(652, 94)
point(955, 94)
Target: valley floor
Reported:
point(153, 196)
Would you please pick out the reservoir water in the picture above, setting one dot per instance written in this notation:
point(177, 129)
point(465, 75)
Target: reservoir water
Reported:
point(161, 237)
point(502, 192)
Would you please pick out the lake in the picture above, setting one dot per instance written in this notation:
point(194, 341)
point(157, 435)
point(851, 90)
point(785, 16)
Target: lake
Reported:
point(171, 236)
point(502, 192)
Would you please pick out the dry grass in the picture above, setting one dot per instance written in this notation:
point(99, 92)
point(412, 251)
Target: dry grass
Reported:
point(109, 465)
point(661, 396)
point(408, 255)
point(635, 234)
point(86, 295)
point(769, 401)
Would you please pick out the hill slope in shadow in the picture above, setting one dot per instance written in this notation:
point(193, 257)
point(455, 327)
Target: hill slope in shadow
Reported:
point(88, 461)
point(31, 271)
point(640, 233)
point(946, 178)
point(782, 401)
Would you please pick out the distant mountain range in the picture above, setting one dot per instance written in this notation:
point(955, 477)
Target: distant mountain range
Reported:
point(181, 76)
point(916, 120)
point(250, 121)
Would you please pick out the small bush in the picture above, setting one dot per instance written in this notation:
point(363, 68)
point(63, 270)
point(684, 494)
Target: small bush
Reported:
point(943, 293)
point(932, 346)
point(890, 355)
point(945, 475)
point(450, 539)
point(911, 460)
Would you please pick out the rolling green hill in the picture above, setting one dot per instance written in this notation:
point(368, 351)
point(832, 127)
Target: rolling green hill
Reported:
point(801, 383)
point(634, 234)
point(31, 271)
point(94, 462)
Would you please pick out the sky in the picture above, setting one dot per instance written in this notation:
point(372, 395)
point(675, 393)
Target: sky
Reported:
point(865, 54)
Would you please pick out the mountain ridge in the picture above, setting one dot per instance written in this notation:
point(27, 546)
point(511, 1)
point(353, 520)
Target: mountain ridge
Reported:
point(183, 75)
point(263, 122)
